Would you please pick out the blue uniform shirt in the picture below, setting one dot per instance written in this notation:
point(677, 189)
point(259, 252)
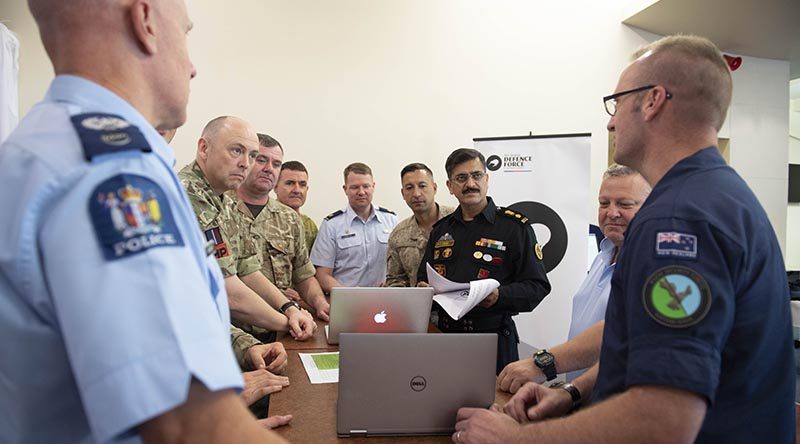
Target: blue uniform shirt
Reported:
point(354, 249)
point(109, 304)
point(590, 301)
point(699, 302)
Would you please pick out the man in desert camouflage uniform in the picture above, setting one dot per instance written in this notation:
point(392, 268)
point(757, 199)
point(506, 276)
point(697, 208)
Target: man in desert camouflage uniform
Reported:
point(276, 231)
point(409, 238)
point(225, 154)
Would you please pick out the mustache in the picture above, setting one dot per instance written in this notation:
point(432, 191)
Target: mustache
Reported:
point(470, 190)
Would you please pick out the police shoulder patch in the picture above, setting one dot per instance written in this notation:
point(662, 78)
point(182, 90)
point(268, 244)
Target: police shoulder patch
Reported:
point(131, 214)
point(676, 296)
point(511, 214)
point(107, 134)
point(334, 214)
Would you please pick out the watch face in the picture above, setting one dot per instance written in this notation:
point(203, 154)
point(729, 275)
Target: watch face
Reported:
point(543, 359)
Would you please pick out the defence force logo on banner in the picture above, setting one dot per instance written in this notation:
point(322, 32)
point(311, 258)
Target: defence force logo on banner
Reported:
point(547, 179)
point(538, 213)
point(510, 163)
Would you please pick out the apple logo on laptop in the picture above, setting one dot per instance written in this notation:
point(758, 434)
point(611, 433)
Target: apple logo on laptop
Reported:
point(380, 318)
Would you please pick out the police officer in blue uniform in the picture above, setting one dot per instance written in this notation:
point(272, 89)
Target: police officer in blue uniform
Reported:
point(479, 241)
point(697, 345)
point(113, 319)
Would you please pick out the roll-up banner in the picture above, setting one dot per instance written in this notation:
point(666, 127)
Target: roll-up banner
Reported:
point(546, 178)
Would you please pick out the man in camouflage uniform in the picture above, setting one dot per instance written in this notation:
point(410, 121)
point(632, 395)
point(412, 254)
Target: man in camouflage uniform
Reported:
point(276, 231)
point(409, 238)
point(291, 190)
point(225, 153)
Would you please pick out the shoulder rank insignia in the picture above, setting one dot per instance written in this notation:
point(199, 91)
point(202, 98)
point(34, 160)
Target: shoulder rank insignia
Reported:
point(386, 211)
point(130, 215)
point(334, 214)
point(107, 134)
point(519, 217)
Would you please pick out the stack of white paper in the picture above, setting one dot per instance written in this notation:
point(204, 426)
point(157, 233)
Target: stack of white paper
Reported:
point(457, 298)
point(322, 368)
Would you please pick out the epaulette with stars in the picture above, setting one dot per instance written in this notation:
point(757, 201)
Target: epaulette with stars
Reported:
point(334, 214)
point(511, 214)
point(386, 211)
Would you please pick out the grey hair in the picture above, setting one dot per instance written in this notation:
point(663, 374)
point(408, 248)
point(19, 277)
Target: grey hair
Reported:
point(617, 170)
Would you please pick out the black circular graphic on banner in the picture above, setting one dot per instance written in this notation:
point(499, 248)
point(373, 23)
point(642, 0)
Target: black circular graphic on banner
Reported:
point(539, 213)
point(494, 162)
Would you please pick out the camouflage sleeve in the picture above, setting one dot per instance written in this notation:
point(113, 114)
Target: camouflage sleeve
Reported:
point(241, 342)
point(310, 229)
point(302, 268)
point(207, 216)
point(248, 258)
point(395, 274)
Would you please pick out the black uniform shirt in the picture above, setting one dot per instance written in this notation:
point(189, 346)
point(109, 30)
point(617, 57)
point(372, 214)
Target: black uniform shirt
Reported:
point(498, 243)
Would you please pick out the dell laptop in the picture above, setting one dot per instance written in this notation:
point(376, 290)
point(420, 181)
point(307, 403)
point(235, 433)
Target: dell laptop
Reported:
point(379, 310)
point(412, 384)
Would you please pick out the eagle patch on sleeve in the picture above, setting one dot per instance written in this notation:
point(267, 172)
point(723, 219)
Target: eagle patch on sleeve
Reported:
point(131, 214)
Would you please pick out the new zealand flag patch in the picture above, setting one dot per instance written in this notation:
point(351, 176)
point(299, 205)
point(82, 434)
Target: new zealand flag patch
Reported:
point(676, 244)
point(131, 214)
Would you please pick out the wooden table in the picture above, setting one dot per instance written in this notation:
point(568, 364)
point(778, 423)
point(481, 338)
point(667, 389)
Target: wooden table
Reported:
point(314, 405)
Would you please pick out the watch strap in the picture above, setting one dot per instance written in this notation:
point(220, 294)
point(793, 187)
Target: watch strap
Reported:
point(573, 391)
point(288, 305)
point(549, 370)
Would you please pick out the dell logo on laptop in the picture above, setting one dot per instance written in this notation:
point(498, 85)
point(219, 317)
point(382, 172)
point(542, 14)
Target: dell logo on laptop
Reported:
point(418, 383)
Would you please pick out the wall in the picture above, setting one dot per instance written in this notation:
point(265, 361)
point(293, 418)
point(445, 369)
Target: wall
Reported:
point(394, 82)
point(793, 211)
point(389, 82)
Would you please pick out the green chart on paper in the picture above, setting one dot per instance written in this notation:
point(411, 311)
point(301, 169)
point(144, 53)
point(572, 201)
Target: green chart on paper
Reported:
point(327, 361)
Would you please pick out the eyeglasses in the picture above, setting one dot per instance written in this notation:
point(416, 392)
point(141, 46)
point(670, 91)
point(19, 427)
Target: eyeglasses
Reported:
point(463, 178)
point(610, 102)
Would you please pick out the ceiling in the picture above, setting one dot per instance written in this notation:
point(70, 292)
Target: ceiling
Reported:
point(758, 28)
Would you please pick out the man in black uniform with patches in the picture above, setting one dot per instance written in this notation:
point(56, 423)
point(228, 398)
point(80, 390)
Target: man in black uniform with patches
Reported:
point(478, 241)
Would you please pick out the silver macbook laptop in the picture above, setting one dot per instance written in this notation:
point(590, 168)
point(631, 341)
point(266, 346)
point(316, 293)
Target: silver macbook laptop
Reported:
point(412, 384)
point(379, 310)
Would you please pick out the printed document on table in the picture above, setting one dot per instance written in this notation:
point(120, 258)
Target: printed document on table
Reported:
point(322, 368)
point(457, 298)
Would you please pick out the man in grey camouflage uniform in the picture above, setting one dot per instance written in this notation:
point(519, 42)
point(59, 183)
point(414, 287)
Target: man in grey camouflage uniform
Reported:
point(277, 232)
point(409, 238)
point(225, 153)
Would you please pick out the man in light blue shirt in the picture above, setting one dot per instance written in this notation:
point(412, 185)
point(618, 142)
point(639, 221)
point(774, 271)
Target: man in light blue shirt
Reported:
point(113, 317)
point(622, 193)
point(350, 250)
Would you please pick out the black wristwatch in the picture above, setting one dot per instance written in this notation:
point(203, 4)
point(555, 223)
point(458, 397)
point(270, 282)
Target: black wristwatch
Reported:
point(573, 391)
point(546, 362)
point(289, 305)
